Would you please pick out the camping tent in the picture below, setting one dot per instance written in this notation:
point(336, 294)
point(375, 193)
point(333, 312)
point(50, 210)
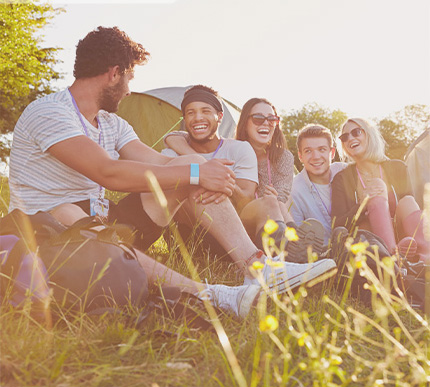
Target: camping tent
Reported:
point(155, 112)
point(418, 160)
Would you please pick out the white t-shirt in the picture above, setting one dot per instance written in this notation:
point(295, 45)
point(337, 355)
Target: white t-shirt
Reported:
point(241, 152)
point(324, 193)
point(40, 182)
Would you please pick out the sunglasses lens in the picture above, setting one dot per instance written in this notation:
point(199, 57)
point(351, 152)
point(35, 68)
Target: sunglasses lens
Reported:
point(356, 132)
point(344, 137)
point(273, 119)
point(258, 119)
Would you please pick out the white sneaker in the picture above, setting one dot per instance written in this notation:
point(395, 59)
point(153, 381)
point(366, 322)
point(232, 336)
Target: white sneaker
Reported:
point(292, 275)
point(235, 299)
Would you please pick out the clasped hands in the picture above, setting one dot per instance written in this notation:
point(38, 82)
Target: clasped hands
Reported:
point(217, 182)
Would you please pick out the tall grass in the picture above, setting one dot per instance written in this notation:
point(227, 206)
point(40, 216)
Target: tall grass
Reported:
point(4, 195)
point(318, 336)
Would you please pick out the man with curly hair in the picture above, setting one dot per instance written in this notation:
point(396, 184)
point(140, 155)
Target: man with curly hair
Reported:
point(69, 147)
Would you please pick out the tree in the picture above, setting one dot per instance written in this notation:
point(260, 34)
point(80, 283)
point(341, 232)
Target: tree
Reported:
point(26, 69)
point(398, 129)
point(310, 113)
point(402, 127)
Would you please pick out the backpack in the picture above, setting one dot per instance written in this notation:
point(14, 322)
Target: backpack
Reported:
point(83, 267)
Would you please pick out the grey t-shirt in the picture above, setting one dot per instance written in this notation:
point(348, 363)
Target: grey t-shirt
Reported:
point(38, 181)
point(245, 161)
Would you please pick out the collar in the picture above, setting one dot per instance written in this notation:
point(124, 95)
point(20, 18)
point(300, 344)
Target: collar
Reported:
point(308, 181)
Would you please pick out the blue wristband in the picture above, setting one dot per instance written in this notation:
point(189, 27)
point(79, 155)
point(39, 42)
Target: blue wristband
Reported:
point(194, 174)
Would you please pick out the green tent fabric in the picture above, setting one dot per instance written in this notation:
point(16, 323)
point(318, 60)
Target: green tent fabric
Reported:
point(418, 160)
point(155, 112)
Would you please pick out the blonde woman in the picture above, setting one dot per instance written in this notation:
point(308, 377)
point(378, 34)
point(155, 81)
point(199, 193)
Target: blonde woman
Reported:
point(391, 211)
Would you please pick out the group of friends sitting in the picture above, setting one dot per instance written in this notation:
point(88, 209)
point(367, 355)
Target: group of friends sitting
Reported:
point(70, 146)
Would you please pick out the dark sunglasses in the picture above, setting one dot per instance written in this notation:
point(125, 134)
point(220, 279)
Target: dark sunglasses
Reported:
point(258, 119)
point(354, 133)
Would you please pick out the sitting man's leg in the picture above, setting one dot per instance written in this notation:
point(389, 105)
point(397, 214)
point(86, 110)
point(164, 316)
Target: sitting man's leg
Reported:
point(224, 224)
point(68, 213)
point(234, 299)
point(237, 299)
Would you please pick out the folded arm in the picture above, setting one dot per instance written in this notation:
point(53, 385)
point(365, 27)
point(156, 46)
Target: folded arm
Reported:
point(129, 174)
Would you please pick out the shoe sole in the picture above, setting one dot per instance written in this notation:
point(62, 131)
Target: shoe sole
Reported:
point(310, 233)
point(408, 247)
point(282, 285)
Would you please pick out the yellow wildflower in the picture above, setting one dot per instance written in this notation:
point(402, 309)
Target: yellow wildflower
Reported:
point(303, 366)
point(257, 265)
point(270, 242)
point(336, 360)
point(359, 247)
point(269, 323)
point(272, 263)
point(388, 262)
point(397, 332)
point(302, 338)
point(271, 226)
point(359, 261)
point(290, 234)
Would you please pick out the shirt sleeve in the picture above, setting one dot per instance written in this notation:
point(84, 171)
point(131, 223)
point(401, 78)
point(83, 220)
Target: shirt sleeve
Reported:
point(245, 166)
point(126, 133)
point(49, 124)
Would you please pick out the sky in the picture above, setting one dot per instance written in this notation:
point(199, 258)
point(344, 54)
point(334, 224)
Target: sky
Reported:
point(367, 58)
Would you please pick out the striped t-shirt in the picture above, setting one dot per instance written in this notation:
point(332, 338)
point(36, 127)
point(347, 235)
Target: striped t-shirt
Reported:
point(40, 182)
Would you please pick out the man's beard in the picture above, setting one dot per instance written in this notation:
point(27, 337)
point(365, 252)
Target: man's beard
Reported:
point(110, 97)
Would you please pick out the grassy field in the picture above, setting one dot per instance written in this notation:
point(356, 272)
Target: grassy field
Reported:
point(315, 337)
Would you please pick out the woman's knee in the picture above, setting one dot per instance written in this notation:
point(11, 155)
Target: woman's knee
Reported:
point(406, 205)
point(407, 200)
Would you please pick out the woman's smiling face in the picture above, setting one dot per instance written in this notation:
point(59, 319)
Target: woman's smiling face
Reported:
point(355, 145)
point(260, 134)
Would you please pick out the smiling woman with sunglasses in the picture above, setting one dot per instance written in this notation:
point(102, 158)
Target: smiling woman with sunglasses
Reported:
point(259, 124)
point(387, 185)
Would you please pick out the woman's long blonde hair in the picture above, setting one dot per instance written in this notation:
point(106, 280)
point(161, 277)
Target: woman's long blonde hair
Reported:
point(375, 150)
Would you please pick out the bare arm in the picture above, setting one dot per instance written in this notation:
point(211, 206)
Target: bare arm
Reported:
point(91, 160)
point(138, 151)
point(178, 142)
